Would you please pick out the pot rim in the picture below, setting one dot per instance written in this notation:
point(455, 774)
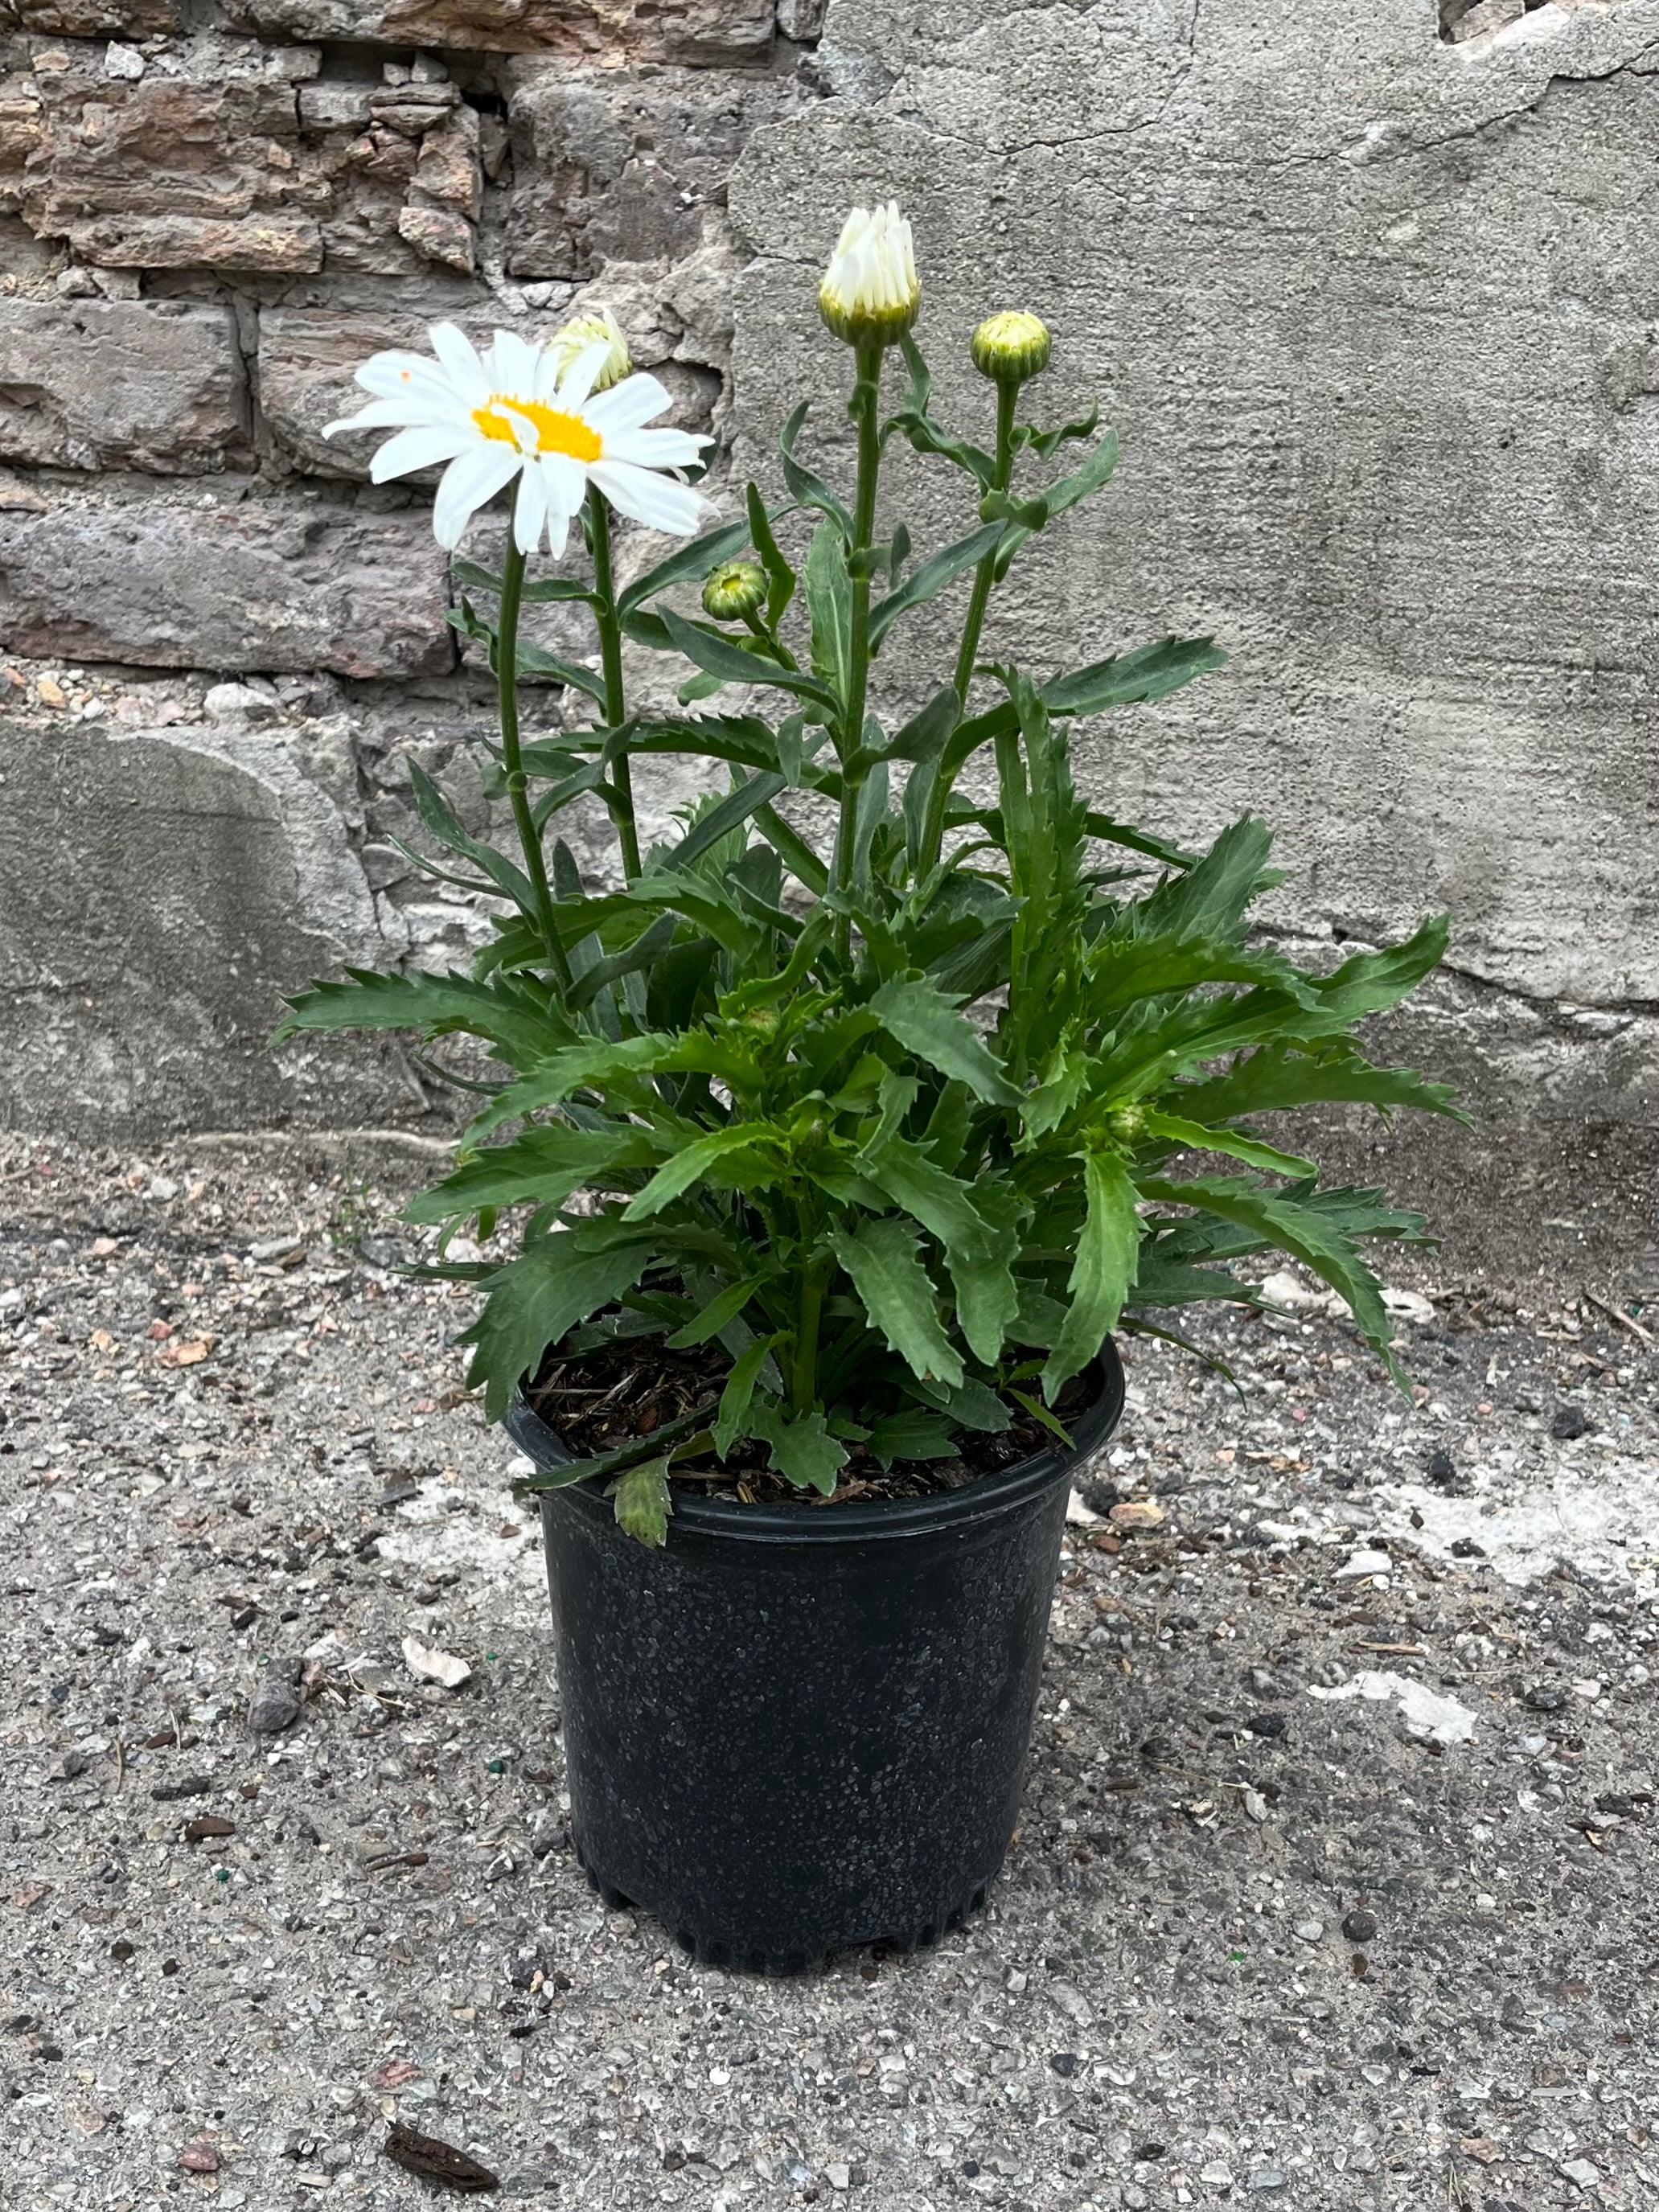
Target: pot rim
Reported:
point(987, 1496)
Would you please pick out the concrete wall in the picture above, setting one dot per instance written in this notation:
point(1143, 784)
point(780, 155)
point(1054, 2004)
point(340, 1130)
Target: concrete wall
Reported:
point(1372, 296)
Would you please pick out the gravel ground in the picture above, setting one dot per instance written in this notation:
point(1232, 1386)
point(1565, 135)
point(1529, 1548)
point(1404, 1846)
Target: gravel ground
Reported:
point(1334, 1886)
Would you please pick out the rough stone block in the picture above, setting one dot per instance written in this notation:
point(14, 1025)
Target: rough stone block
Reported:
point(92, 19)
point(264, 585)
point(623, 165)
point(307, 358)
point(90, 383)
point(699, 31)
point(158, 894)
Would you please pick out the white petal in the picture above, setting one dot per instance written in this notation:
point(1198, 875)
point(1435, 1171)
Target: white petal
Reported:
point(510, 365)
point(420, 448)
point(627, 404)
point(396, 415)
point(408, 376)
point(657, 501)
point(529, 510)
point(580, 375)
point(566, 483)
point(656, 449)
point(468, 483)
point(461, 364)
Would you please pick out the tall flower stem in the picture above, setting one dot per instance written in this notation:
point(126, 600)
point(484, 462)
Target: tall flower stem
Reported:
point(506, 694)
point(932, 837)
point(804, 1369)
point(609, 626)
point(864, 409)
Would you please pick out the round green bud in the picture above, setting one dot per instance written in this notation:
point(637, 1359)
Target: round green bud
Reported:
point(1012, 347)
point(734, 591)
point(1128, 1123)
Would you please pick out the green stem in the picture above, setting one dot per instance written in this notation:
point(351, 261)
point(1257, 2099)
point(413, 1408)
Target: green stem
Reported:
point(866, 405)
point(804, 1372)
point(932, 837)
point(506, 694)
point(615, 711)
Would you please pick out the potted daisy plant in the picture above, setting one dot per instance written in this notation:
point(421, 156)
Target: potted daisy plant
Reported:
point(839, 1133)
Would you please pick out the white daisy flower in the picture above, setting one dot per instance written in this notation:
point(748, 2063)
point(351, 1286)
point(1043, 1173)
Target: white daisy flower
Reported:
point(530, 412)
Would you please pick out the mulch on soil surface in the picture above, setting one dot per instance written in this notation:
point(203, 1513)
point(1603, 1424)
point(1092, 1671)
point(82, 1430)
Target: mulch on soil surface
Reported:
point(595, 1401)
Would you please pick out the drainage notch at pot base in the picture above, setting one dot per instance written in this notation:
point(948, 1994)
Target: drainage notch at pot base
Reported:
point(738, 1958)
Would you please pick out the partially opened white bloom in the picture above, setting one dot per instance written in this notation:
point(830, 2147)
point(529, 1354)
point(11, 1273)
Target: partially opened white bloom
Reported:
point(521, 411)
point(871, 290)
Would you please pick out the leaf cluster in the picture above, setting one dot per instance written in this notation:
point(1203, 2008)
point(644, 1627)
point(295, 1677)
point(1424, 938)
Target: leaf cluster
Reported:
point(900, 1132)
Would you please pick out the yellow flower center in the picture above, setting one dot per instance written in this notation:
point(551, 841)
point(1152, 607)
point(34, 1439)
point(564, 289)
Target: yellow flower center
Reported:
point(556, 431)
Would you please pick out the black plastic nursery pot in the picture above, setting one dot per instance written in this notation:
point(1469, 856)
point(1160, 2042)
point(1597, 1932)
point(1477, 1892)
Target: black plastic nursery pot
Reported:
point(794, 1728)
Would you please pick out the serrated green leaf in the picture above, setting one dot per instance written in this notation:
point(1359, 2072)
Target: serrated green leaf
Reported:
point(542, 1167)
point(801, 1447)
point(919, 1015)
point(1103, 1271)
point(1274, 1078)
point(898, 1294)
point(642, 1502)
point(531, 1301)
point(912, 1434)
point(1283, 1221)
point(506, 1013)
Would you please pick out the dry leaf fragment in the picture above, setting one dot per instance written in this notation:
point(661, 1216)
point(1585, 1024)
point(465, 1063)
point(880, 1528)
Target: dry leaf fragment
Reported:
point(437, 2161)
point(434, 1666)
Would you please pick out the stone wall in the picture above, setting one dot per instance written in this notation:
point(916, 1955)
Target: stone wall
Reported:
point(1371, 294)
point(221, 642)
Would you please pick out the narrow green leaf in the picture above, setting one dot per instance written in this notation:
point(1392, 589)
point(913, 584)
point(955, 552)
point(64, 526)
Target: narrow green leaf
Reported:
point(542, 1167)
point(923, 738)
point(739, 1391)
point(781, 577)
point(1276, 1077)
point(927, 581)
point(1175, 1129)
point(720, 1311)
point(688, 563)
point(506, 1013)
point(697, 1161)
point(830, 603)
point(804, 485)
point(725, 658)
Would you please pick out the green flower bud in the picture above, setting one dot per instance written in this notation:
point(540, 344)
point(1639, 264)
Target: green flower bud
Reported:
point(1012, 347)
point(734, 591)
point(1127, 1124)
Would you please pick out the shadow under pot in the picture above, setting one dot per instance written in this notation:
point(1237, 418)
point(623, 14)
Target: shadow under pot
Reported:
point(796, 1728)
